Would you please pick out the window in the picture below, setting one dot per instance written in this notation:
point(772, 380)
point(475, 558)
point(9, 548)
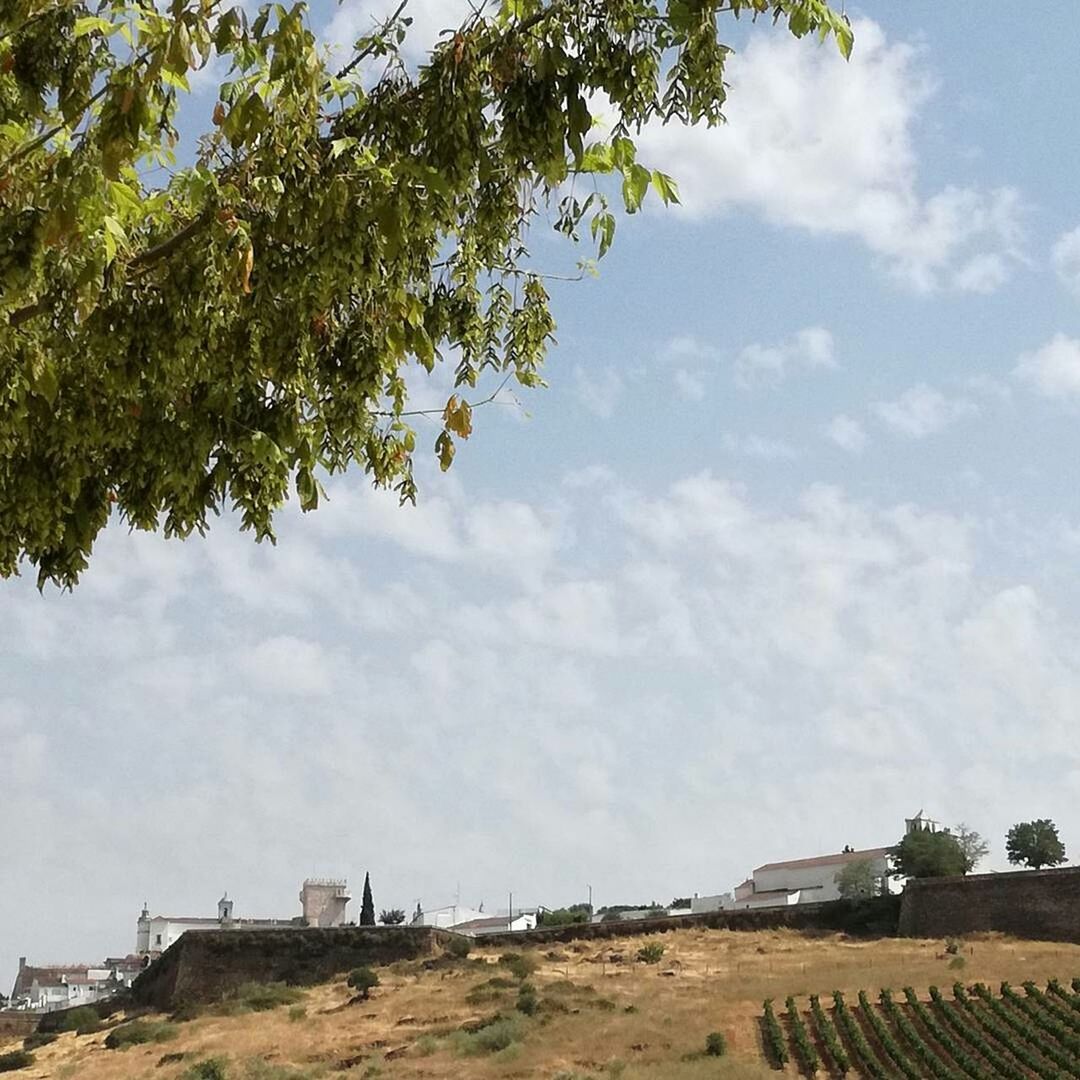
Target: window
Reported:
point(157, 939)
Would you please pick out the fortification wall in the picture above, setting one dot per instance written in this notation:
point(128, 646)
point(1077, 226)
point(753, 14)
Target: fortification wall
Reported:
point(204, 966)
point(17, 1023)
point(877, 917)
point(1040, 904)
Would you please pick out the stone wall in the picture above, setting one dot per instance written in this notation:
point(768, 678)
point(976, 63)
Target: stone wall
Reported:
point(202, 967)
point(1040, 904)
point(17, 1024)
point(877, 917)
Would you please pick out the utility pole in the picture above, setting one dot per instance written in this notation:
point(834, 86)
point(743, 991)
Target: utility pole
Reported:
point(510, 914)
point(589, 887)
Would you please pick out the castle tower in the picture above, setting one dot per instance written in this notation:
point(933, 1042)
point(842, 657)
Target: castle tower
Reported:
point(323, 901)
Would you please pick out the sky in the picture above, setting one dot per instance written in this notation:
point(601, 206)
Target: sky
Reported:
point(787, 551)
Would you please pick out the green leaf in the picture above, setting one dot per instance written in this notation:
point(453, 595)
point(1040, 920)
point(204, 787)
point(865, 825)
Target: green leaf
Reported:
point(91, 24)
point(635, 184)
point(666, 187)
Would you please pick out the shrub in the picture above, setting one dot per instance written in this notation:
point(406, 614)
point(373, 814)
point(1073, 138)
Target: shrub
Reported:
point(956, 963)
point(210, 1069)
point(138, 1032)
point(297, 1013)
point(425, 1046)
point(952, 946)
point(459, 947)
point(715, 1044)
point(261, 997)
point(38, 1039)
point(518, 964)
point(651, 953)
point(527, 1001)
point(363, 980)
point(83, 1021)
point(17, 1059)
point(495, 1036)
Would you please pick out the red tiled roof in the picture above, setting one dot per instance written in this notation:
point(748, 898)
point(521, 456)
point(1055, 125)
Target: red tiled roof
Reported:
point(49, 976)
point(839, 859)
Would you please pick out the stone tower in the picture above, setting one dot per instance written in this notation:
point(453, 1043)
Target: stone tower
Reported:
point(224, 910)
point(142, 934)
point(323, 901)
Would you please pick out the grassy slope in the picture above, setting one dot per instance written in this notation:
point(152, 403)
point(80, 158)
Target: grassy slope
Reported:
point(409, 1028)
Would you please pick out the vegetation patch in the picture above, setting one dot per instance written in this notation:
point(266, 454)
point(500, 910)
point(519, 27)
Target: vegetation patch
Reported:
point(520, 965)
point(210, 1069)
point(17, 1059)
point(651, 954)
point(496, 1035)
point(83, 1021)
point(138, 1032)
point(38, 1039)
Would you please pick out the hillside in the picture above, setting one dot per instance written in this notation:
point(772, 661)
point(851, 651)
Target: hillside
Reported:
point(600, 1012)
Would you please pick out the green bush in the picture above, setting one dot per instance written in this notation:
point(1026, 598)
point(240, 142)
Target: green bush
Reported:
point(956, 963)
point(490, 1039)
point(520, 965)
point(527, 1001)
point(17, 1059)
point(260, 997)
point(459, 947)
point(38, 1039)
point(651, 953)
point(210, 1069)
point(715, 1044)
point(425, 1046)
point(363, 980)
point(297, 1013)
point(138, 1032)
point(952, 946)
point(82, 1020)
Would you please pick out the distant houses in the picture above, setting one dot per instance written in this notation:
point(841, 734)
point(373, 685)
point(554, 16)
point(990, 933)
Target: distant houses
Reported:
point(45, 988)
point(473, 921)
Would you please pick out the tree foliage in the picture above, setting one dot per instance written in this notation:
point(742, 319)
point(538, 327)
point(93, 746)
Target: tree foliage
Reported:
point(189, 329)
point(974, 847)
point(923, 854)
point(1035, 844)
point(857, 880)
point(393, 917)
point(367, 904)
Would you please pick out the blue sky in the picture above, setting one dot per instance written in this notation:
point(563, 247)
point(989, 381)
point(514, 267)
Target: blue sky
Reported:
point(787, 550)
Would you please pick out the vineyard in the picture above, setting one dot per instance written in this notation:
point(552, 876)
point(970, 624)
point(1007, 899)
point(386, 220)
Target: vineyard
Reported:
point(972, 1034)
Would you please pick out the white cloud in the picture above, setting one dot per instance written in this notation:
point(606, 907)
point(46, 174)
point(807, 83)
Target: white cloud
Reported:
point(429, 19)
point(1065, 258)
point(769, 365)
point(690, 384)
point(758, 446)
point(599, 391)
point(825, 145)
point(839, 644)
point(923, 410)
point(847, 433)
point(1053, 370)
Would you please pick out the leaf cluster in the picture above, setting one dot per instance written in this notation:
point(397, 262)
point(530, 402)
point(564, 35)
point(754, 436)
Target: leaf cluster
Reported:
point(192, 329)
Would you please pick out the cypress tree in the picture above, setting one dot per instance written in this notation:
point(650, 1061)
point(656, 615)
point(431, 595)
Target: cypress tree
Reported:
point(367, 904)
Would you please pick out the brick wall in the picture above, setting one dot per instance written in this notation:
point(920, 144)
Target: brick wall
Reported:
point(1041, 904)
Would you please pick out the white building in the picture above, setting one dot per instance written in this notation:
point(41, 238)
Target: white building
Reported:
point(806, 881)
point(323, 903)
point(446, 917)
point(497, 924)
point(53, 986)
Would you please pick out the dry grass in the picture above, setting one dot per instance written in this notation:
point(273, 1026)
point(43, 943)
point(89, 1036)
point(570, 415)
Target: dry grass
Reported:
point(599, 1019)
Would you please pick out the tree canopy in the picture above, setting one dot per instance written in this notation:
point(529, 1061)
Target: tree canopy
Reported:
point(923, 853)
point(857, 880)
point(190, 328)
point(974, 847)
point(1035, 844)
